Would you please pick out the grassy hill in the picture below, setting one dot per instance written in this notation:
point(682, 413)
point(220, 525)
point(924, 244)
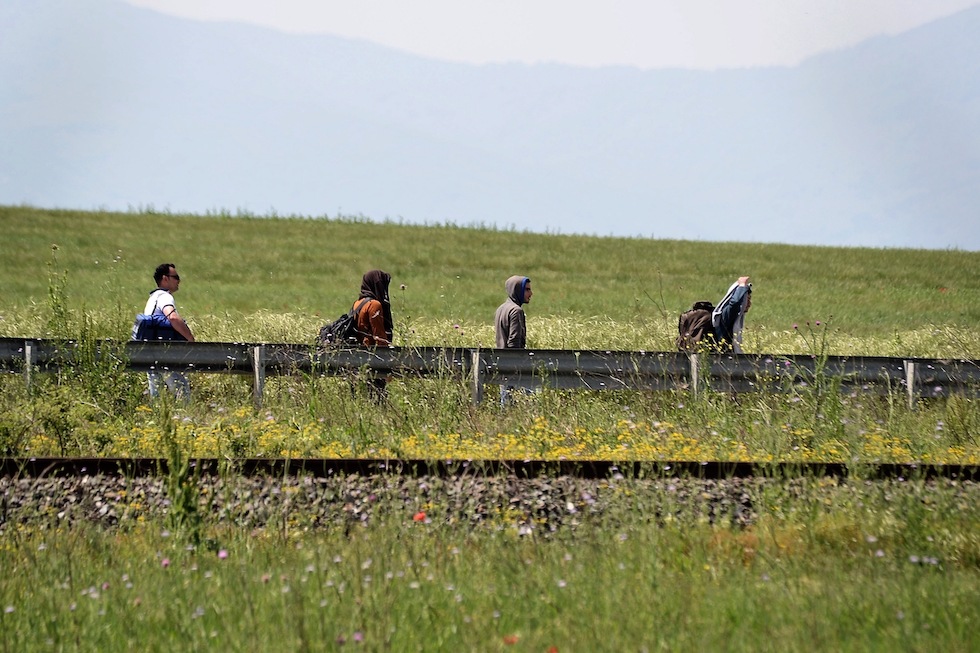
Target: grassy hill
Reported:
point(268, 269)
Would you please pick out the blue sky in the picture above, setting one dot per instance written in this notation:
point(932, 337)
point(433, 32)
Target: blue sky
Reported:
point(722, 133)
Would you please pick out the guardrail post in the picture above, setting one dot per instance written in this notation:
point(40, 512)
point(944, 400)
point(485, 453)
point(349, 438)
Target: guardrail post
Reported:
point(29, 360)
point(477, 378)
point(910, 382)
point(695, 373)
point(258, 367)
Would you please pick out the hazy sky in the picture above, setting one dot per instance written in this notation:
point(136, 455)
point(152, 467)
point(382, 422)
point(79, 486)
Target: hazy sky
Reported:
point(645, 33)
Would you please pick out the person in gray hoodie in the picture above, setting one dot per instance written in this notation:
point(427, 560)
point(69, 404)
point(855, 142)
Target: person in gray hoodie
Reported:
point(510, 325)
point(509, 319)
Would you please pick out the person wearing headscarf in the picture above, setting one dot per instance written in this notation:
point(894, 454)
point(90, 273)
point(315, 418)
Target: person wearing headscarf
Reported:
point(728, 318)
point(374, 321)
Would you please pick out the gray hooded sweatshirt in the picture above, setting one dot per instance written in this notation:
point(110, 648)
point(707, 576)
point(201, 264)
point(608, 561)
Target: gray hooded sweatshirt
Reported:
point(509, 318)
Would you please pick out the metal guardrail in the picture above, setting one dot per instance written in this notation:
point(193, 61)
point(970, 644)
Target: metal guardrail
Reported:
point(571, 369)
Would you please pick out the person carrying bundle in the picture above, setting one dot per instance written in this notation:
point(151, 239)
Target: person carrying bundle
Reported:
point(728, 317)
point(716, 328)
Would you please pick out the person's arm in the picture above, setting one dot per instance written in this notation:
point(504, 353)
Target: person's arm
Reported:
point(731, 310)
point(378, 324)
point(178, 323)
point(517, 330)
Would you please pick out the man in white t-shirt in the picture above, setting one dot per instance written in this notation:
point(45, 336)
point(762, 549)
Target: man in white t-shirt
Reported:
point(161, 301)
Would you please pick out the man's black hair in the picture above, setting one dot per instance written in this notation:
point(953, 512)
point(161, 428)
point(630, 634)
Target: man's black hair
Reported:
point(162, 270)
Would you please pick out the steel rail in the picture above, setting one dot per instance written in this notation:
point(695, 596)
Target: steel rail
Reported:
point(39, 467)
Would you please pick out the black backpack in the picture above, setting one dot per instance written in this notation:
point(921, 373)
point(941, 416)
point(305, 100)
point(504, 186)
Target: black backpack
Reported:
point(342, 332)
point(694, 328)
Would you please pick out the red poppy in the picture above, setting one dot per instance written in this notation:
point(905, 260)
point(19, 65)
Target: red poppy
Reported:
point(419, 516)
point(510, 639)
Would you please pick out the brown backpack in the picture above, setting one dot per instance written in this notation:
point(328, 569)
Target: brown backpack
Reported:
point(694, 327)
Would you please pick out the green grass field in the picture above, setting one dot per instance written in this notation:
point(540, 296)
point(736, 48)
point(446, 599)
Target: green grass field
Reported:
point(607, 294)
point(877, 566)
point(240, 266)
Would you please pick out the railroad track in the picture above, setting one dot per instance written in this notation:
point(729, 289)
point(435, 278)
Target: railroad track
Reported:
point(39, 467)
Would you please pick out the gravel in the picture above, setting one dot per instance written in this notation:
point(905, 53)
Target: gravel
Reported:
point(317, 503)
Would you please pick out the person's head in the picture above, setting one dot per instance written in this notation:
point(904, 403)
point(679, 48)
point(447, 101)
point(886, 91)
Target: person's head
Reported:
point(518, 289)
point(166, 277)
point(374, 285)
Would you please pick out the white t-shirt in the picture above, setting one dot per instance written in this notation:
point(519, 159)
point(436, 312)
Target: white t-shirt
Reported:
point(159, 298)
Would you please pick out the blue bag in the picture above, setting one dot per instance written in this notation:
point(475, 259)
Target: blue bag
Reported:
point(154, 327)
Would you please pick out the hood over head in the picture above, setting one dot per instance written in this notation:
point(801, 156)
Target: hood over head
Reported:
point(374, 285)
point(515, 287)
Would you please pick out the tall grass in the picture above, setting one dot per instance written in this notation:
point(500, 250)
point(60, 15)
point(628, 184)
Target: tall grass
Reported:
point(96, 408)
point(883, 567)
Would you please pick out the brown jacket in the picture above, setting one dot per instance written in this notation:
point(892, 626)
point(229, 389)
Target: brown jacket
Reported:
point(371, 324)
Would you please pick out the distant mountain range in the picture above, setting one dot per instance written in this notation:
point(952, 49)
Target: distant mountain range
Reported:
point(106, 104)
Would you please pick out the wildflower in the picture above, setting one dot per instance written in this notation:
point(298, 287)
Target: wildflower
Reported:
point(871, 539)
point(341, 640)
point(105, 586)
point(222, 554)
point(136, 602)
point(510, 640)
point(8, 609)
point(879, 553)
point(496, 614)
point(561, 582)
point(796, 326)
point(914, 559)
point(818, 322)
point(419, 516)
point(265, 578)
point(358, 636)
point(552, 649)
point(165, 563)
point(403, 286)
point(765, 577)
